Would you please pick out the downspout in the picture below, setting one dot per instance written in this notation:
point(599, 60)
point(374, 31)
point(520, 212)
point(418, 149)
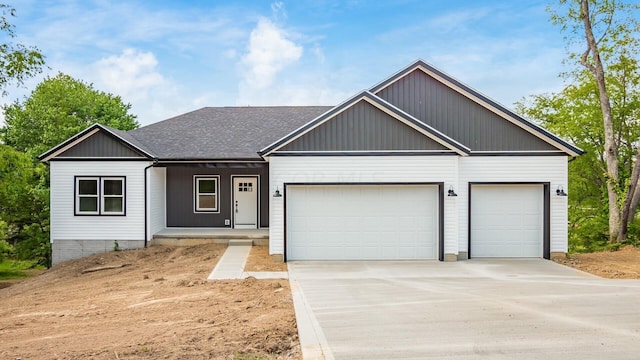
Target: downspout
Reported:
point(146, 201)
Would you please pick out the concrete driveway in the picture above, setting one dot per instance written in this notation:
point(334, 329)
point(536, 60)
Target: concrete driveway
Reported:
point(477, 309)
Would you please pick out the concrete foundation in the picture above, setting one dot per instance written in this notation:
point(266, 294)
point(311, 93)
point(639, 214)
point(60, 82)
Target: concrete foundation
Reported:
point(450, 257)
point(558, 255)
point(277, 257)
point(179, 241)
point(463, 255)
point(63, 250)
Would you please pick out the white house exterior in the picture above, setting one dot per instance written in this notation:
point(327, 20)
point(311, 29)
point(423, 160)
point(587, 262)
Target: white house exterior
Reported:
point(418, 167)
point(483, 173)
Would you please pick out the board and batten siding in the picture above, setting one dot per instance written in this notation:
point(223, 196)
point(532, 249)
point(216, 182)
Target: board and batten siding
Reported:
point(523, 169)
point(459, 117)
point(83, 235)
point(157, 204)
point(361, 169)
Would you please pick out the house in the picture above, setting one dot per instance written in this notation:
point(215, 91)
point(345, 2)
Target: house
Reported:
point(420, 166)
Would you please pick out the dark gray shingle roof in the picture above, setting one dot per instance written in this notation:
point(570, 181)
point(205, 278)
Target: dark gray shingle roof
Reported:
point(218, 133)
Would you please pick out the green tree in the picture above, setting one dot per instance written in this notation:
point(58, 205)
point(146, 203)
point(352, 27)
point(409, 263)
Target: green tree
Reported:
point(24, 205)
point(608, 30)
point(58, 108)
point(574, 113)
point(17, 61)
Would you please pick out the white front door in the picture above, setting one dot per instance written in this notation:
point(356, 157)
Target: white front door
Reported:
point(245, 202)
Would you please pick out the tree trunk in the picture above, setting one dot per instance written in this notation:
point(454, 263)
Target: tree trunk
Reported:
point(627, 209)
point(631, 201)
point(610, 146)
point(635, 201)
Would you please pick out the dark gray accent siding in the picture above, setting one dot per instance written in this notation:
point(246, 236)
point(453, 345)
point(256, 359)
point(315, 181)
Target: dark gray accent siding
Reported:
point(98, 145)
point(180, 193)
point(363, 127)
point(457, 116)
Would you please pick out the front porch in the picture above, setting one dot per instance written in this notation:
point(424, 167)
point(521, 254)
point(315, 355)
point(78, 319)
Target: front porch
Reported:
point(196, 236)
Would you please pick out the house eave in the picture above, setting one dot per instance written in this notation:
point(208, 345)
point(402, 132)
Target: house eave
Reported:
point(210, 160)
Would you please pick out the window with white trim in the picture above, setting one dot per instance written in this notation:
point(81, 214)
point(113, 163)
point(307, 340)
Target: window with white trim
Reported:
point(206, 193)
point(98, 195)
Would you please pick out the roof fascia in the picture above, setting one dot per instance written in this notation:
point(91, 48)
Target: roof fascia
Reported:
point(483, 101)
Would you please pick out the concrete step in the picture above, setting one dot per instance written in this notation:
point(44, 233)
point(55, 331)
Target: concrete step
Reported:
point(236, 242)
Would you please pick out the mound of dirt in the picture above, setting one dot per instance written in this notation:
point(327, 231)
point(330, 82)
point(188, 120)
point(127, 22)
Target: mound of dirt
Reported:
point(621, 264)
point(152, 303)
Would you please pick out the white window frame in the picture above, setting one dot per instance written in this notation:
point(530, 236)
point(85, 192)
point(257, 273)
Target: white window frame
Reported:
point(103, 196)
point(197, 193)
point(79, 196)
point(100, 196)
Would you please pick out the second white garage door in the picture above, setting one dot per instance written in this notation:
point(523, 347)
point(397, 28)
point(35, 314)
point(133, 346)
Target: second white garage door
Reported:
point(361, 222)
point(506, 220)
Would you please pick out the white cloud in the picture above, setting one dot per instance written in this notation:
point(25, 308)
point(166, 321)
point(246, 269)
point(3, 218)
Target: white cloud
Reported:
point(270, 51)
point(132, 74)
point(278, 11)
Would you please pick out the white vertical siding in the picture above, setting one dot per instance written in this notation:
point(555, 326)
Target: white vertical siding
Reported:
point(157, 177)
point(361, 169)
point(66, 226)
point(552, 169)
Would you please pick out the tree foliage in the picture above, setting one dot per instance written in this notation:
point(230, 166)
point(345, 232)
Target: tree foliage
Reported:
point(599, 111)
point(17, 61)
point(24, 204)
point(57, 109)
point(574, 113)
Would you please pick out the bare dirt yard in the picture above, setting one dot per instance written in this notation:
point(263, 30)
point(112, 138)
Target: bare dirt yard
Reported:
point(156, 303)
point(621, 264)
point(152, 303)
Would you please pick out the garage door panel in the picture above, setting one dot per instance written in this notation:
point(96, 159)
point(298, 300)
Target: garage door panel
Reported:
point(506, 220)
point(358, 222)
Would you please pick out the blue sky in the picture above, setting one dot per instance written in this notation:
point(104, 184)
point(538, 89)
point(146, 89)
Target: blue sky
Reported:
point(170, 57)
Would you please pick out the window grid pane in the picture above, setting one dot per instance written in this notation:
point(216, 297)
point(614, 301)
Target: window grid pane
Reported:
point(207, 201)
point(207, 186)
point(113, 205)
point(88, 187)
point(88, 204)
point(112, 187)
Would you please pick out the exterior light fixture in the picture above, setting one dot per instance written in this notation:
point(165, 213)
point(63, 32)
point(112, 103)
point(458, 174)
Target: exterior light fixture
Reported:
point(451, 192)
point(277, 193)
point(560, 191)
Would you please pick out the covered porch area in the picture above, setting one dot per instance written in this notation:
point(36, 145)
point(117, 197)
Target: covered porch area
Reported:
point(194, 236)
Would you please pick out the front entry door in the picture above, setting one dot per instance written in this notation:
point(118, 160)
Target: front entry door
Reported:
point(245, 202)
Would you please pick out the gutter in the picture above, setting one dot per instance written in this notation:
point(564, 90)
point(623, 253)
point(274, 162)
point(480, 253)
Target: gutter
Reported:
point(146, 202)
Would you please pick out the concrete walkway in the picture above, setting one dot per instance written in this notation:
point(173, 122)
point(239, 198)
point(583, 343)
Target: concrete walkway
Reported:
point(477, 309)
point(231, 266)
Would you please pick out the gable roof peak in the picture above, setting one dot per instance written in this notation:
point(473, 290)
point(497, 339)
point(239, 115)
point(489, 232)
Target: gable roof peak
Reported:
point(481, 99)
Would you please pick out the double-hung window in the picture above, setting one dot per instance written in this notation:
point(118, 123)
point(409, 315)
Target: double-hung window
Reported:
point(206, 193)
point(100, 195)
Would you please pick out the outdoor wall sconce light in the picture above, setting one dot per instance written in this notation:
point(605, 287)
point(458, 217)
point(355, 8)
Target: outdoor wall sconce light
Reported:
point(560, 191)
point(451, 192)
point(277, 193)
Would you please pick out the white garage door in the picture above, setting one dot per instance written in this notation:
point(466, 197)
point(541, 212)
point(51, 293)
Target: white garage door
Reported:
point(361, 222)
point(506, 220)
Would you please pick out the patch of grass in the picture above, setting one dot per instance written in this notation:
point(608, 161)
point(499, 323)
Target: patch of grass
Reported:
point(15, 269)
